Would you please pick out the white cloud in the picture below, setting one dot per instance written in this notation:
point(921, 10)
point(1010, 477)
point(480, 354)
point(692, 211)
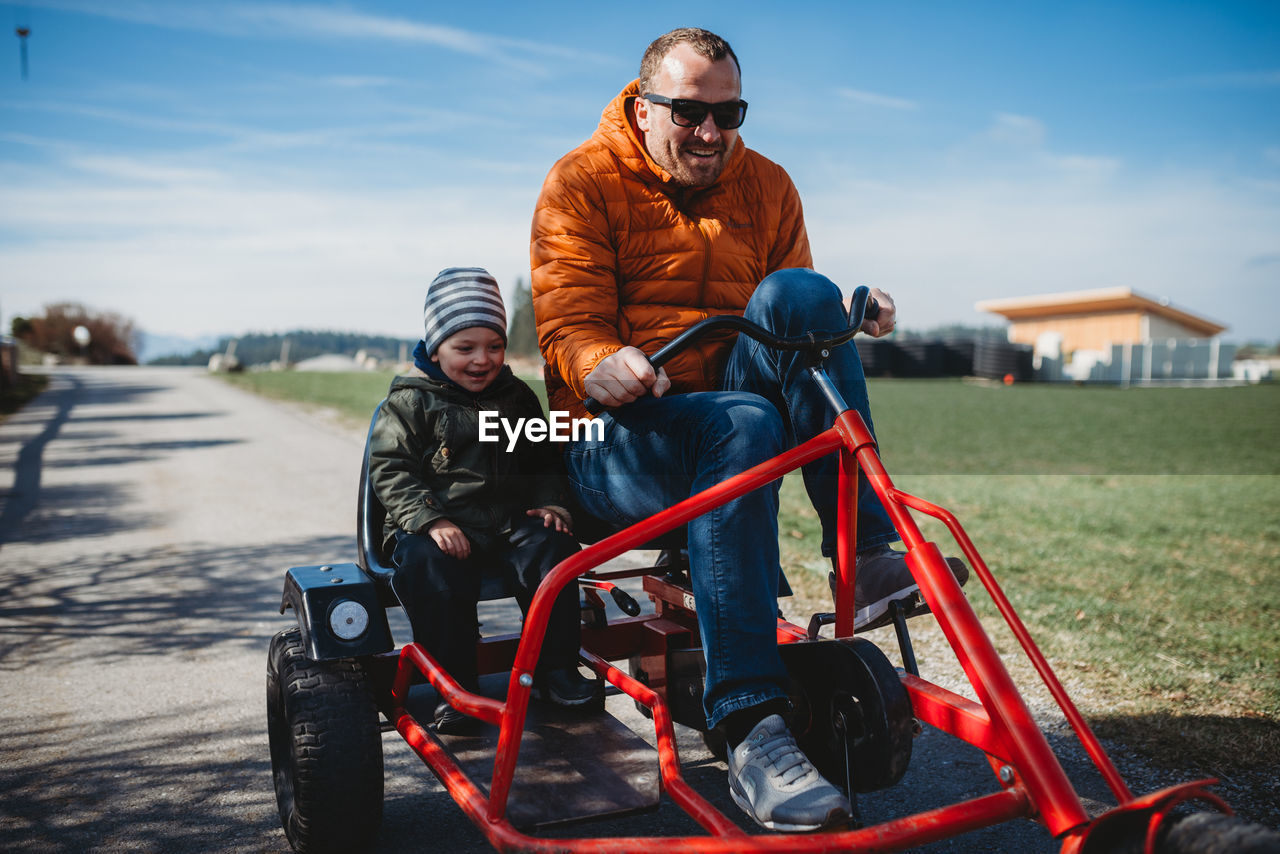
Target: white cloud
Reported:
point(1018, 142)
point(943, 244)
point(873, 99)
point(1018, 131)
point(188, 248)
point(145, 171)
point(1084, 167)
point(221, 137)
point(355, 81)
point(251, 20)
point(232, 254)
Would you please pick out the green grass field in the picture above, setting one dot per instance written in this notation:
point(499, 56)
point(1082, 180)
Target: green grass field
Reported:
point(14, 397)
point(1137, 532)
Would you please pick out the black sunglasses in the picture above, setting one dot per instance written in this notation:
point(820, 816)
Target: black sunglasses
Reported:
point(687, 113)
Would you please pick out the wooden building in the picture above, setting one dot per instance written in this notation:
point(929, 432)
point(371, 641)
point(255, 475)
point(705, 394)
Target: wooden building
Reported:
point(1097, 319)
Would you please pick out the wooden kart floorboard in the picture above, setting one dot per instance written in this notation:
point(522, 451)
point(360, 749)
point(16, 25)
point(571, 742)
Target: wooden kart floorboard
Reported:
point(573, 764)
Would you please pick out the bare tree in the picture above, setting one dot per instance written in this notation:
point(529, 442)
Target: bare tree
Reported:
point(111, 341)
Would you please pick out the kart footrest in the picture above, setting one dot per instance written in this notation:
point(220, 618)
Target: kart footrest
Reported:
point(573, 765)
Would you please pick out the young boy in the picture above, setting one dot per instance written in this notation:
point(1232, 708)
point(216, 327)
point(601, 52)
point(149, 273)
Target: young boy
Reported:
point(456, 505)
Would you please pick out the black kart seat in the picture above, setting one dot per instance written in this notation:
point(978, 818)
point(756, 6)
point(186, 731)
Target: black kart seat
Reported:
point(370, 516)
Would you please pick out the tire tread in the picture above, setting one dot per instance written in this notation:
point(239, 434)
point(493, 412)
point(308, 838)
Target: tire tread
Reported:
point(332, 799)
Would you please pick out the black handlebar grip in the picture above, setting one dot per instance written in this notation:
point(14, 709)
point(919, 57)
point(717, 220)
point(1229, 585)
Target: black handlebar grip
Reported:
point(629, 606)
point(861, 301)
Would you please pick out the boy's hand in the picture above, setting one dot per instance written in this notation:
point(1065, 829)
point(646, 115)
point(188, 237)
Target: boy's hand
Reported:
point(450, 539)
point(550, 519)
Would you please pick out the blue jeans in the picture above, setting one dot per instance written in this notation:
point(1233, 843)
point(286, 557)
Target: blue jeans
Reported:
point(658, 451)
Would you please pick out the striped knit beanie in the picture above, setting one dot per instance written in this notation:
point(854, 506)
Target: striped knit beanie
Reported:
point(459, 298)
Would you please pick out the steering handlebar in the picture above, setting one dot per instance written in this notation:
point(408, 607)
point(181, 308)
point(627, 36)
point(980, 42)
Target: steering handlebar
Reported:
point(861, 307)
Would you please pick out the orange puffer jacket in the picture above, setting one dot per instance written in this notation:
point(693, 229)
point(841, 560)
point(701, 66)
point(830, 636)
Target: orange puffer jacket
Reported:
point(621, 255)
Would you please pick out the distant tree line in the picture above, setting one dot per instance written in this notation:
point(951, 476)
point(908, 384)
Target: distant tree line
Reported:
point(522, 332)
point(263, 348)
point(112, 338)
point(260, 348)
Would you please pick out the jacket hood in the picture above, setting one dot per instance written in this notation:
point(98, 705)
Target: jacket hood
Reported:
point(618, 132)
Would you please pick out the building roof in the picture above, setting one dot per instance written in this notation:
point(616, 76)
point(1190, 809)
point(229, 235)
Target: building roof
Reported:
point(1096, 302)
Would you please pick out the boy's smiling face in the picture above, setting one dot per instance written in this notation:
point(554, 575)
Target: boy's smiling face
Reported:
point(472, 357)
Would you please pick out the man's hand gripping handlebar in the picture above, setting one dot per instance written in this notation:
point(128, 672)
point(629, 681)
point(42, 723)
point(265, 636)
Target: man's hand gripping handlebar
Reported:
point(633, 374)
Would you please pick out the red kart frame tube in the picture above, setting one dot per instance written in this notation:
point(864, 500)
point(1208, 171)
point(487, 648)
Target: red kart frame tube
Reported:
point(1087, 738)
point(1001, 724)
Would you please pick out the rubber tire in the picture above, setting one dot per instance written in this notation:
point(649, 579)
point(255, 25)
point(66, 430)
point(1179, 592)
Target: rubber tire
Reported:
point(326, 749)
point(1196, 833)
point(1215, 833)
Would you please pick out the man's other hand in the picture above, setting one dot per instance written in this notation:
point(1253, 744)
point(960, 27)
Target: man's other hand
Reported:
point(886, 319)
point(624, 376)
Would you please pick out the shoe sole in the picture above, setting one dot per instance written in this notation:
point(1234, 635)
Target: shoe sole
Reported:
point(833, 819)
point(877, 614)
point(467, 725)
point(554, 698)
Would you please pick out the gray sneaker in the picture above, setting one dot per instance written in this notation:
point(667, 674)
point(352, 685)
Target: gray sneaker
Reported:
point(882, 577)
point(775, 784)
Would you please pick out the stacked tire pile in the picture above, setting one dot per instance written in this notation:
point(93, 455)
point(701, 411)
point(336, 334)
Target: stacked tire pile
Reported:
point(957, 356)
point(999, 359)
point(877, 355)
point(917, 357)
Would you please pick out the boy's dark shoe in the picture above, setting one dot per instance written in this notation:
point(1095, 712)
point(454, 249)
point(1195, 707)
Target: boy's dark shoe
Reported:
point(882, 577)
point(450, 721)
point(567, 687)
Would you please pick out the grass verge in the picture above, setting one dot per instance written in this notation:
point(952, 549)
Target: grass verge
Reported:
point(13, 398)
point(1136, 531)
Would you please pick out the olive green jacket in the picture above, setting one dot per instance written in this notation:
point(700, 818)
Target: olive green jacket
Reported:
point(426, 460)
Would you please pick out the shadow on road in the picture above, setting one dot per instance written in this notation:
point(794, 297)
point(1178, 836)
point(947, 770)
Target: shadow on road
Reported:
point(79, 510)
point(159, 767)
point(152, 601)
point(1247, 774)
point(120, 453)
point(116, 791)
point(90, 509)
point(28, 465)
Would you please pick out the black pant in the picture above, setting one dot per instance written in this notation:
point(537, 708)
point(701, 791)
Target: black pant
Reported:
point(439, 593)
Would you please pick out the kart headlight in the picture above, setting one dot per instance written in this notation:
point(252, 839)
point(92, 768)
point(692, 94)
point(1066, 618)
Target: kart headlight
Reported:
point(348, 620)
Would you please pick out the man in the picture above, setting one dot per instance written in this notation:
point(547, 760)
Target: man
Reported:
point(663, 218)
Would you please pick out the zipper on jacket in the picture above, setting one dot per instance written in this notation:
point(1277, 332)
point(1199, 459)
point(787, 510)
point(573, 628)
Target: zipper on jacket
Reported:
point(708, 380)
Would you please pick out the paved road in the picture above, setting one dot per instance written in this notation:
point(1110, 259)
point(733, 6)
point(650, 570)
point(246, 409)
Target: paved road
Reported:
point(148, 516)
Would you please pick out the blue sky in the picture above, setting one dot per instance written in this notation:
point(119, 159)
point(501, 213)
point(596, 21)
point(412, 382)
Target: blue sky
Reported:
point(223, 167)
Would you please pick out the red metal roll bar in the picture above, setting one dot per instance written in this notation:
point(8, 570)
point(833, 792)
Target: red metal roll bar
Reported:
point(1033, 783)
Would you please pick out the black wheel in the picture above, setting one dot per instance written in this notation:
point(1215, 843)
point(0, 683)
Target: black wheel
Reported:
point(1215, 833)
point(326, 749)
point(853, 717)
point(1197, 833)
